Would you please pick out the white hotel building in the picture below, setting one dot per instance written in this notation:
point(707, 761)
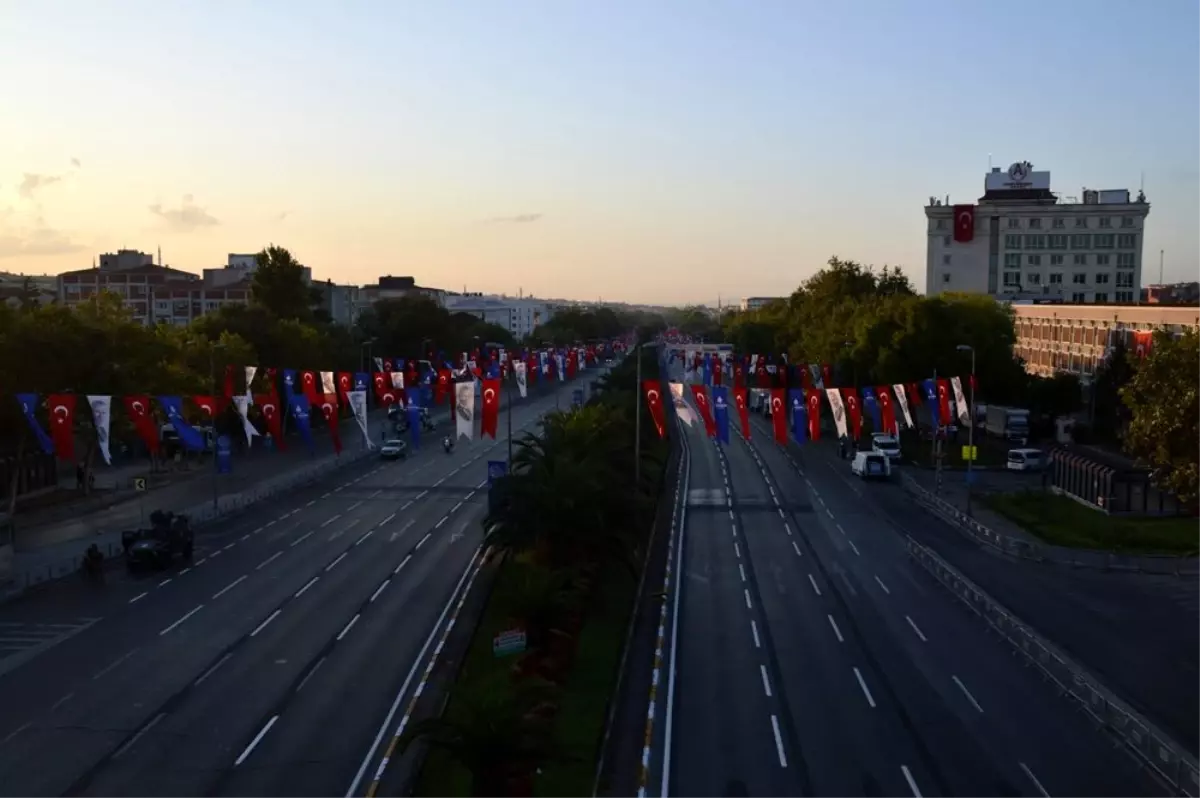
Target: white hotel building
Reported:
point(1023, 239)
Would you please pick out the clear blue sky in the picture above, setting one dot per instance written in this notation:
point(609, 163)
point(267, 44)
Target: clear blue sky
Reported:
point(662, 151)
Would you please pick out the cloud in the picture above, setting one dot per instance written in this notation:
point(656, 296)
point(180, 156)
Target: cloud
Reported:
point(520, 218)
point(282, 215)
point(186, 218)
point(32, 183)
point(75, 162)
point(39, 240)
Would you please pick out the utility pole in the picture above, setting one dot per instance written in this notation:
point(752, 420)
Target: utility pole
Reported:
point(637, 414)
point(936, 415)
point(971, 428)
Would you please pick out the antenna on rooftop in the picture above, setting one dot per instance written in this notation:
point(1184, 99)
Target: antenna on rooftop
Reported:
point(989, 162)
point(160, 255)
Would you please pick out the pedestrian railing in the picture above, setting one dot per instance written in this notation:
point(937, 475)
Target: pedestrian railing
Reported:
point(1155, 749)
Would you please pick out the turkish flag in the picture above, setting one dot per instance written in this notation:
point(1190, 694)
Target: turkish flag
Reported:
point(381, 384)
point(763, 382)
point(779, 422)
point(943, 389)
point(137, 406)
point(739, 376)
point(308, 381)
point(443, 385)
point(813, 397)
point(716, 371)
point(490, 415)
point(964, 223)
point(827, 375)
point(653, 392)
point(887, 408)
point(329, 411)
point(850, 397)
point(345, 384)
point(387, 364)
point(700, 396)
point(62, 423)
point(269, 405)
point(1143, 343)
point(207, 405)
point(914, 394)
point(739, 397)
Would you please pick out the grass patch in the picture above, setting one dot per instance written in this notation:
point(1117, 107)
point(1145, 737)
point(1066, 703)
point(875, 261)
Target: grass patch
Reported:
point(989, 451)
point(1061, 521)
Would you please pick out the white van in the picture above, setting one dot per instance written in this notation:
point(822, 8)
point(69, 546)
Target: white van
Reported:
point(1025, 460)
point(870, 465)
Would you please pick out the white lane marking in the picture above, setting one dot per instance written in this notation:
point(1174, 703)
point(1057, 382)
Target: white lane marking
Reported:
point(268, 561)
point(863, 685)
point(762, 669)
point(346, 629)
point(1034, 779)
point(439, 482)
point(966, 692)
point(797, 548)
point(303, 537)
point(839, 528)
point(813, 582)
point(406, 505)
point(311, 502)
point(263, 625)
point(138, 598)
point(309, 584)
point(365, 536)
point(778, 742)
point(397, 533)
point(15, 732)
point(912, 785)
point(201, 561)
point(381, 588)
point(309, 675)
point(62, 701)
point(326, 495)
point(165, 582)
point(421, 542)
point(454, 509)
point(257, 739)
point(480, 485)
point(341, 557)
point(780, 511)
point(213, 669)
point(255, 532)
point(335, 517)
point(403, 563)
point(746, 592)
point(787, 528)
point(468, 496)
point(441, 521)
point(737, 550)
point(882, 585)
point(836, 630)
point(421, 495)
point(915, 629)
point(244, 538)
point(376, 493)
point(742, 570)
point(731, 515)
point(216, 553)
point(387, 520)
point(853, 548)
point(181, 620)
point(754, 631)
point(270, 523)
point(113, 664)
point(829, 512)
point(354, 506)
point(138, 736)
point(230, 586)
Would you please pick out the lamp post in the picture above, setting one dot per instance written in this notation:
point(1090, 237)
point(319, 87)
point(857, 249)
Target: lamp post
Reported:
point(970, 422)
point(637, 414)
point(212, 369)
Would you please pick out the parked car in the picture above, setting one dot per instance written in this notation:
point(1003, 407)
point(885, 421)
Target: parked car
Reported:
point(887, 445)
point(394, 449)
point(1025, 460)
point(870, 465)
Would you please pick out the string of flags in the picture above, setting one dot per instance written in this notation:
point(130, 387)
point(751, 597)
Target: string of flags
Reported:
point(409, 385)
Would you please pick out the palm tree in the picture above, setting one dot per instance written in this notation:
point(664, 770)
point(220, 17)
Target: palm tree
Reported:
point(541, 600)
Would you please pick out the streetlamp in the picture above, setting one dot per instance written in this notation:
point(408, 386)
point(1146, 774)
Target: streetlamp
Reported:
point(970, 423)
point(637, 414)
point(212, 369)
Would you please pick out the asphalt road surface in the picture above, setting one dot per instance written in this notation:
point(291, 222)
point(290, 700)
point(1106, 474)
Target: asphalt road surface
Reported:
point(811, 657)
point(268, 665)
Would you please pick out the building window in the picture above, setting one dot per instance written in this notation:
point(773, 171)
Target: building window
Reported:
point(1124, 296)
point(1056, 278)
point(1101, 279)
point(1012, 241)
point(945, 277)
point(1035, 242)
point(1081, 221)
point(1035, 224)
point(1103, 260)
point(1127, 221)
point(1056, 260)
point(1106, 221)
point(1059, 223)
point(1127, 241)
point(946, 260)
point(1014, 224)
point(1124, 280)
point(1078, 296)
point(1035, 260)
point(1081, 241)
point(1081, 260)
point(1012, 278)
point(1101, 297)
point(1125, 260)
point(1058, 241)
point(1012, 260)
point(1079, 278)
point(1104, 240)
point(1033, 278)
point(945, 241)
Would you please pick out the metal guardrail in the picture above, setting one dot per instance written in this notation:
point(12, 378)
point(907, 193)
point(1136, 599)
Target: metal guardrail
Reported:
point(1028, 550)
point(1155, 749)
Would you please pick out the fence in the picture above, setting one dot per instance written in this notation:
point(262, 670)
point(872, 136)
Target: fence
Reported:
point(1157, 751)
point(1059, 555)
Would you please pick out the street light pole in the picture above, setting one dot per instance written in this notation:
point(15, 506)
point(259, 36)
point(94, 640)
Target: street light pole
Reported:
point(637, 414)
point(971, 426)
point(212, 369)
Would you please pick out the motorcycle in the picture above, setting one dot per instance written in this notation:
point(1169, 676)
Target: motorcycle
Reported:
point(448, 445)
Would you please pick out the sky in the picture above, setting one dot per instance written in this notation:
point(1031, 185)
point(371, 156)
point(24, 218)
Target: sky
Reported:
point(665, 152)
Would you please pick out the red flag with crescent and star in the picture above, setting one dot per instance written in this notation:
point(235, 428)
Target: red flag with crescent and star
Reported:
point(268, 404)
point(653, 393)
point(62, 423)
point(381, 384)
point(329, 411)
point(137, 407)
point(489, 417)
point(884, 394)
point(964, 223)
point(943, 393)
point(443, 385)
point(700, 397)
point(308, 382)
point(813, 397)
point(207, 406)
point(779, 420)
point(345, 384)
point(716, 371)
point(739, 398)
point(850, 397)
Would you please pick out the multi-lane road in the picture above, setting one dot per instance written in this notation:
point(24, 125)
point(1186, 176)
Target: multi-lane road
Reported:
point(812, 658)
point(267, 666)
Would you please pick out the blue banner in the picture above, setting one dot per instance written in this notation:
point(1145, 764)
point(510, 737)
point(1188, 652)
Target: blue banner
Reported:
point(189, 436)
point(224, 455)
point(289, 381)
point(872, 405)
point(299, 407)
point(414, 423)
point(29, 404)
point(496, 469)
point(929, 388)
point(361, 380)
point(720, 397)
point(799, 415)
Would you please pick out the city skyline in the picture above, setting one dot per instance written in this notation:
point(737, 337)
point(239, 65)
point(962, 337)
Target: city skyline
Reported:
point(644, 155)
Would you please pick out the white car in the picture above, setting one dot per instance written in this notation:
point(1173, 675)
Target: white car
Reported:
point(870, 465)
point(1024, 460)
point(887, 445)
point(394, 449)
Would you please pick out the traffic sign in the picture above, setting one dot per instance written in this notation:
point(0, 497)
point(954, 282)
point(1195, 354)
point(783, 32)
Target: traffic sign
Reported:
point(139, 483)
point(970, 453)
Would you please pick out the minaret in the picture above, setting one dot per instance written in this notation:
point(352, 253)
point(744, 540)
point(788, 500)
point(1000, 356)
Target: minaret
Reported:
point(160, 255)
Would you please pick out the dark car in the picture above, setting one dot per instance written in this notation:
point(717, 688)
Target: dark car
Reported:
point(169, 536)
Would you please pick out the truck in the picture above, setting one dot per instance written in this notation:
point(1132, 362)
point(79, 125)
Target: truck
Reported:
point(170, 534)
point(1010, 423)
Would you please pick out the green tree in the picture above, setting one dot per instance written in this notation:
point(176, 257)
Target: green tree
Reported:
point(1165, 400)
point(279, 285)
